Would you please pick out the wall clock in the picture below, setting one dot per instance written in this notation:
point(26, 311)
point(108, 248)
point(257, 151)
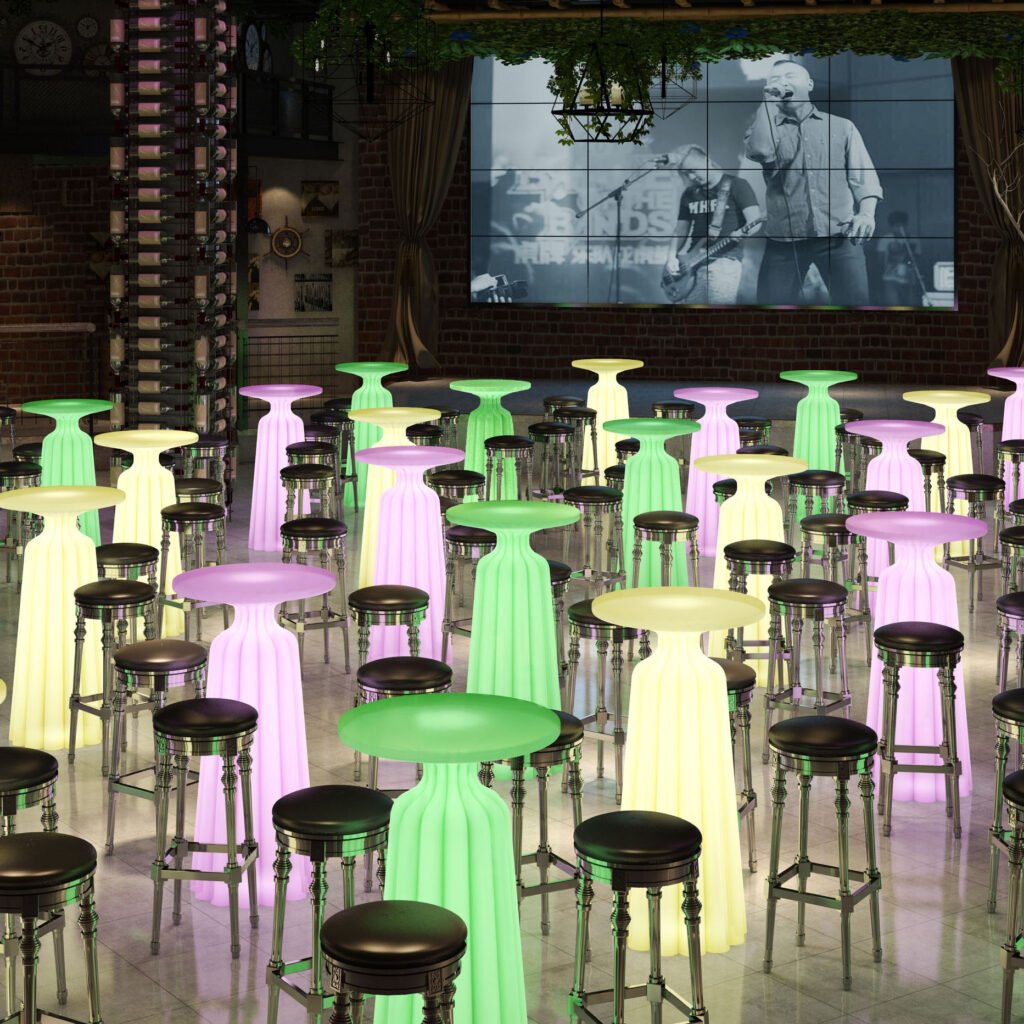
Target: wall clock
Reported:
point(43, 48)
point(88, 27)
point(96, 60)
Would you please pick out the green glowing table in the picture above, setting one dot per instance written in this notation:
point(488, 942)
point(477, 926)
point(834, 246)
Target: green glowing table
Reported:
point(679, 757)
point(513, 650)
point(450, 838)
point(652, 485)
point(609, 399)
point(67, 458)
point(490, 419)
point(371, 394)
point(817, 416)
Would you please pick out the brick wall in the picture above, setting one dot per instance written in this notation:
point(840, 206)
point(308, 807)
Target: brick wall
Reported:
point(725, 344)
point(45, 278)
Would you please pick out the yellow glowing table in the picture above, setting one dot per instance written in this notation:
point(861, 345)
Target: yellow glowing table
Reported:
point(148, 488)
point(679, 756)
point(393, 423)
point(608, 398)
point(955, 443)
point(749, 514)
point(58, 561)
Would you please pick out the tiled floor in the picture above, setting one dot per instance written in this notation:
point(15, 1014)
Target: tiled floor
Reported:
point(940, 946)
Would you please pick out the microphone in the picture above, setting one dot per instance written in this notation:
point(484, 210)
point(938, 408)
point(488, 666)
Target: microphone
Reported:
point(774, 93)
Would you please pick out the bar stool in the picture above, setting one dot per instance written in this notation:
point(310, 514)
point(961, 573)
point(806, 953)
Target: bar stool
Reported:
point(448, 420)
point(812, 484)
point(626, 448)
point(1011, 957)
point(598, 506)
point(794, 600)
point(1016, 510)
point(557, 457)
point(30, 452)
point(762, 449)
point(387, 605)
point(864, 450)
point(840, 749)
point(209, 727)
point(209, 456)
point(1008, 713)
point(859, 502)
point(7, 418)
point(107, 602)
point(1011, 545)
point(1011, 452)
point(976, 489)
point(1010, 612)
point(615, 476)
point(427, 435)
point(933, 464)
point(498, 449)
point(326, 432)
point(636, 850)
point(143, 673)
point(665, 529)
point(561, 575)
point(745, 558)
point(553, 402)
point(191, 521)
point(753, 429)
point(19, 526)
point(565, 752)
point(455, 486)
point(726, 488)
point(583, 420)
point(462, 544)
point(828, 534)
point(674, 410)
point(41, 873)
point(346, 451)
point(975, 424)
point(315, 477)
point(321, 822)
point(919, 645)
point(740, 682)
point(198, 488)
point(129, 562)
point(392, 948)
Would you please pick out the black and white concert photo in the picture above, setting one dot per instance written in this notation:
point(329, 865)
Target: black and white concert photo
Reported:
point(785, 181)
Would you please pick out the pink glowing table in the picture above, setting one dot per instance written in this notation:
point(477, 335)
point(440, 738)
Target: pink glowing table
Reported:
point(718, 435)
point(278, 429)
point(915, 588)
point(1013, 419)
point(257, 661)
point(410, 544)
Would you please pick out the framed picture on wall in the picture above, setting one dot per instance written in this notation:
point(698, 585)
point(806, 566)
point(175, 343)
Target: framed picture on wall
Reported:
point(319, 199)
point(313, 293)
point(341, 248)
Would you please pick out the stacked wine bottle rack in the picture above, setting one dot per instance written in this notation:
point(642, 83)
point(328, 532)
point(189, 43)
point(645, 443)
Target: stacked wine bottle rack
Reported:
point(173, 92)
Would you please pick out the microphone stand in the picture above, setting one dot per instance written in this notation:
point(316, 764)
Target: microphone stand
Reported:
point(912, 260)
point(617, 193)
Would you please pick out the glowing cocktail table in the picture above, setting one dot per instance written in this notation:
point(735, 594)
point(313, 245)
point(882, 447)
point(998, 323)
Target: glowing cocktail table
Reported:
point(1013, 419)
point(679, 757)
point(490, 419)
point(450, 839)
point(391, 422)
point(719, 435)
point(609, 399)
point(371, 394)
point(148, 487)
point(276, 430)
point(58, 560)
point(410, 543)
point(652, 485)
point(67, 458)
point(817, 416)
point(255, 660)
point(513, 651)
point(916, 588)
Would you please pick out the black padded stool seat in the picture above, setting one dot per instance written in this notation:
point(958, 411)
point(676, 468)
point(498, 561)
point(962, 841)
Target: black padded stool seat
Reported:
point(1013, 788)
point(312, 448)
point(508, 442)
point(113, 593)
point(319, 431)
point(1015, 447)
point(576, 412)
point(827, 523)
point(618, 472)
point(308, 471)
point(759, 550)
point(388, 597)
point(570, 732)
point(556, 401)
point(919, 637)
point(31, 452)
point(872, 500)
point(807, 592)
point(193, 512)
point(205, 718)
point(126, 554)
point(762, 449)
point(1011, 605)
point(582, 614)
point(455, 478)
point(218, 441)
point(314, 528)
point(333, 811)
point(970, 419)
point(404, 674)
point(196, 486)
point(592, 495)
point(20, 468)
point(817, 478)
point(6, 412)
point(342, 404)
point(330, 417)
point(822, 736)
point(1012, 535)
point(739, 676)
point(665, 521)
point(927, 457)
point(163, 656)
point(470, 535)
point(38, 862)
point(25, 768)
point(628, 444)
point(560, 572)
point(1009, 705)
point(727, 488)
point(666, 409)
point(975, 482)
point(752, 421)
point(547, 429)
point(637, 839)
point(424, 430)
point(850, 415)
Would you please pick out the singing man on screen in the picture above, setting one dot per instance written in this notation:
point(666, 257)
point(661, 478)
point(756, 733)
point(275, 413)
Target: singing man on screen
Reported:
point(821, 190)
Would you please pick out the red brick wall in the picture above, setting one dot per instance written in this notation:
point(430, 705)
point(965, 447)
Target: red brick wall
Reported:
point(45, 278)
point(726, 344)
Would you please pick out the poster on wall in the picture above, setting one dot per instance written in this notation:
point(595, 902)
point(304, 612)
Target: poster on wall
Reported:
point(319, 199)
point(313, 293)
point(784, 181)
point(341, 248)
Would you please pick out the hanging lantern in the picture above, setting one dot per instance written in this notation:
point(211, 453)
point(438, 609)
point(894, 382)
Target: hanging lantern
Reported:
point(674, 89)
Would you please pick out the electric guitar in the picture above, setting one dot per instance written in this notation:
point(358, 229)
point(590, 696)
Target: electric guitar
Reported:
point(497, 289)
point(679, 286)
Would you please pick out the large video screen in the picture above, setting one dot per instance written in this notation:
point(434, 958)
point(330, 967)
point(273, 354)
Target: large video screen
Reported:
point(785, 181)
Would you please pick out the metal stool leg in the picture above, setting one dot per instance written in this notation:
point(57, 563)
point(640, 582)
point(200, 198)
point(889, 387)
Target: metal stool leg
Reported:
point(282, 869)
point(843, 820)
point(996, 831)
point(778, 806)
point(867, 793)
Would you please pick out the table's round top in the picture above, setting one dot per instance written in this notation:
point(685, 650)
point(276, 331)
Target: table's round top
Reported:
point(486, 386)
point(371, 369)
point(926, 529)
point(525, 516)
point(44, 501)
point(763, 467)
point(818, 378)
point(410, 456)
point(895, 430)
point(600, 366)
point(146, 440)
point(449, 728)
point(651, 426)
point(715, 395)
point(678, 609)
point(394, 415)
point(946, 398)
point(239, 583)
point(68, 408)
point(1014, 373)
point(281, 392)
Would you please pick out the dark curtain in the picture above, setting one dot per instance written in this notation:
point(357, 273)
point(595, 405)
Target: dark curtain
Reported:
point(421, 159)
point(991, 122)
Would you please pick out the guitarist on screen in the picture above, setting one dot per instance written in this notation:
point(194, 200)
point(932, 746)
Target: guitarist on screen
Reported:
point(716, 211)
